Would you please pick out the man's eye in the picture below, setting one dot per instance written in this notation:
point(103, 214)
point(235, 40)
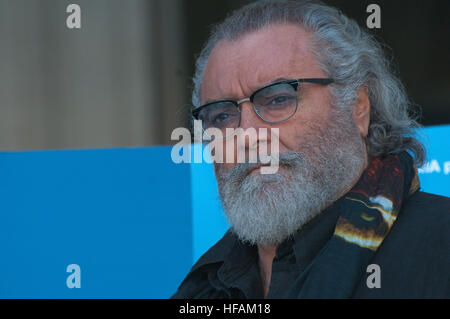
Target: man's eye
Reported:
point(280, 100)
point(217, 119)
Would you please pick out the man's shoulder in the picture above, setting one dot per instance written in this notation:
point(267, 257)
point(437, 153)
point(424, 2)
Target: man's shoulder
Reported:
point(425, 207)
point(424, 218)
point(421, 197)
point(414, 258)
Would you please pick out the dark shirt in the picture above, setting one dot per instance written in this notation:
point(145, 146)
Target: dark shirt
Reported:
point(414, 258)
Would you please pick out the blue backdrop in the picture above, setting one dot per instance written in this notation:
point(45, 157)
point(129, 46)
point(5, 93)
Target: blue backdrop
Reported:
point(122, 215)
point(133, 221)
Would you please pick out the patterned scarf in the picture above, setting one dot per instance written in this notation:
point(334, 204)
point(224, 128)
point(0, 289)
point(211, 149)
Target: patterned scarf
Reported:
point(368, 212)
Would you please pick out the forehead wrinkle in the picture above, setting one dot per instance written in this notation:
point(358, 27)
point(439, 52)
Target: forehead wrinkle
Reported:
point(296, 57)
point(219, 67)
point(243, 70)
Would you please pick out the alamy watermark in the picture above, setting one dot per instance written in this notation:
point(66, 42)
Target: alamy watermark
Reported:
point(74, 279)
point(73, 20)
point(235, 146)
point(374, 18)
point(374, 279)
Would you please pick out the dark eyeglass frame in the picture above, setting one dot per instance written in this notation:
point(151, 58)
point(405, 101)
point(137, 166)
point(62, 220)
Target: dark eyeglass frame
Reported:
point(295, 83)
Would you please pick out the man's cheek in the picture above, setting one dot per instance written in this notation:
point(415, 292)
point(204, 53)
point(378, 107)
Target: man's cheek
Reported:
point(273, 158)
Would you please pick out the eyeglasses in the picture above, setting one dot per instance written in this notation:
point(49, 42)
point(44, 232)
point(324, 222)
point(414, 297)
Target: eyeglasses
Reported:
point(274, 103)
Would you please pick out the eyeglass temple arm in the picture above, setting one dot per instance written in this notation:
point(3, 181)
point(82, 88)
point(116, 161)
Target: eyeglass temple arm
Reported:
point(317, 81)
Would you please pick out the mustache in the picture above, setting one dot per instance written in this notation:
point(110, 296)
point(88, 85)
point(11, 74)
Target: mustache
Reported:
point(240, 171)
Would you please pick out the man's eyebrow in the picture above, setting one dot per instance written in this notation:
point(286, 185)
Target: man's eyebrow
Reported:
point(273, 82)
point(278, 80)
point(259, 87)
point(219, 100)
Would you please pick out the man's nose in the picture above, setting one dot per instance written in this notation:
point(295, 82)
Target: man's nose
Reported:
point(250, 125)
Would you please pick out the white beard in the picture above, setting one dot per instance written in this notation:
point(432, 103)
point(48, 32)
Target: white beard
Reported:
point(267, 209)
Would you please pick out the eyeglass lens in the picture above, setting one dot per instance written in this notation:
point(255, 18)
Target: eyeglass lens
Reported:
point(274, 103)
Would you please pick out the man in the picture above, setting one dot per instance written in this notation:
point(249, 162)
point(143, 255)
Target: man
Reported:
point(346, 197)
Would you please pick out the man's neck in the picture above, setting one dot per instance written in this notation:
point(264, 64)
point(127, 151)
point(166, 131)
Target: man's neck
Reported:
point(266, 255)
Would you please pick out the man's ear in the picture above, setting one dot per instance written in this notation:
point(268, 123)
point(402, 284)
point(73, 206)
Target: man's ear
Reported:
point(361, 111)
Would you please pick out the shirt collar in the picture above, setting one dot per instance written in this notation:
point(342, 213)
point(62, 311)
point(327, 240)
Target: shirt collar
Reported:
point(234, 257)
point(315, 234)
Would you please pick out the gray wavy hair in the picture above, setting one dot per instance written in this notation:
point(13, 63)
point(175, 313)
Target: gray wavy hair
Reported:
point(346, 53)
